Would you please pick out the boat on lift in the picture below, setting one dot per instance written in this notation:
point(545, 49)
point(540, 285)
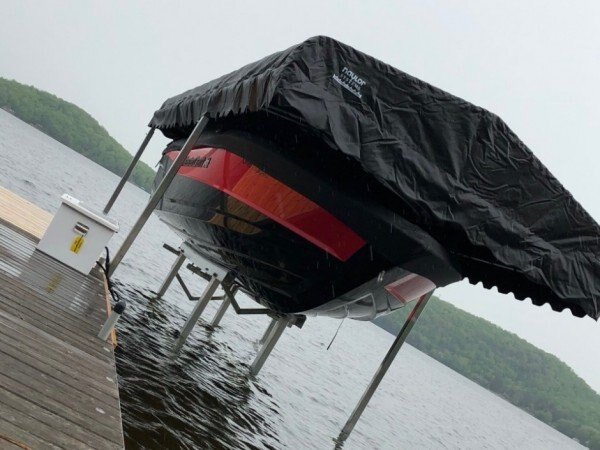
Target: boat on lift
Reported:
point(330, 183)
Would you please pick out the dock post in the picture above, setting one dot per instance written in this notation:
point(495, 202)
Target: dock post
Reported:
point(127, 173)
point(383, 368)
point(158, 193)
point(174, 270)
point(270, 341)
point(110, 323)
point(268, 331)
point(197, 311)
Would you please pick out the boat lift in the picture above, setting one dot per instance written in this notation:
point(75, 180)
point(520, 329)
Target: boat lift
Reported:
point(278, 322)
point(215, 278)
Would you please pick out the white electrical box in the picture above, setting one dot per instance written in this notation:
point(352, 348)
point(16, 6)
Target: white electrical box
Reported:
point(77, 235)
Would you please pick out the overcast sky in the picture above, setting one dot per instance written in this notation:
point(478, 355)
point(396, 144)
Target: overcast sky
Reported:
point(534, 63)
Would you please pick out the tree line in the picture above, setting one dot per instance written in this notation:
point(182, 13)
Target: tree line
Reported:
point(507, 365)
point(71, 126)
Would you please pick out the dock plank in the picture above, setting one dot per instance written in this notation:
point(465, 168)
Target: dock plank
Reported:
point(15, 438)
point(29, 343)
point(58, 381)
point(21, 380)
point(65, 370)
point(24, 216)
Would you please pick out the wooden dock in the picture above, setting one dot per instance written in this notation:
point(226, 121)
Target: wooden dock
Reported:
point(58, 382)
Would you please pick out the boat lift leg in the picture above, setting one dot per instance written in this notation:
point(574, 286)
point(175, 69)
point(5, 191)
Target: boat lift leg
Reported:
point(229, 297)
point(383, 368)
point(264, 352)
point(268, 331)
point(158, 193)
point(171, 275)
point(220, 312)
point(125, 177)
point(197, 311)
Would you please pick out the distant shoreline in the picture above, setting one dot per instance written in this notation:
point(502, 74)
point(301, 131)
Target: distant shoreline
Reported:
point(71, 126)
point(513, 369)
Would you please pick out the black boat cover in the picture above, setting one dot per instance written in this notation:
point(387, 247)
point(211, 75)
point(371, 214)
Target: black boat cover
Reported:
point(463, 175)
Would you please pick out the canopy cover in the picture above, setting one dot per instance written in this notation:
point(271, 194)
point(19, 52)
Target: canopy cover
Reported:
point(461, 173)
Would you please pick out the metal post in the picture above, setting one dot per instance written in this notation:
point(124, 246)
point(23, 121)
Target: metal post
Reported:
point(125, 177)
point(383, 368)
point(174, 270)
point(220, 312)
point(267, 331)
point(268, 346)
point(108, 326)
point(158, 193)
point(228, 298)
point(197, 312)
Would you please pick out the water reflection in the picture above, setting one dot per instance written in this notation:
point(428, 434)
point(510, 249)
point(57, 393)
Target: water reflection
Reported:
point(200, 395)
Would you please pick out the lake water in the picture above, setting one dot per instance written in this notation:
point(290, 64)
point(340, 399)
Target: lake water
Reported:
point(204, 399)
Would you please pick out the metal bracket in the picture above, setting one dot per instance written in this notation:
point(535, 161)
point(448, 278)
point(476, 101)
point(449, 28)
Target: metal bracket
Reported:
point(188, 294)
point(230, 293)
point(197, 271)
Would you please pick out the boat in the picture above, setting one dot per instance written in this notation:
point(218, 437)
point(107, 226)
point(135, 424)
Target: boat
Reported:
point(330, 183)
point(290, 253)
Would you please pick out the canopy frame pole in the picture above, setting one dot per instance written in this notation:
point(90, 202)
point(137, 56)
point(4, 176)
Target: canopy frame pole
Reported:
point(158, 193)
point(128, 172)
point(383, 368)
point(171, 275)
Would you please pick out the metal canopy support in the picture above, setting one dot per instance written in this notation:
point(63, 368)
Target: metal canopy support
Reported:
point(158, 193)
point(383, 368)
point(169, 278)
point(197, 311)
point(269, 344)
point(125, 177)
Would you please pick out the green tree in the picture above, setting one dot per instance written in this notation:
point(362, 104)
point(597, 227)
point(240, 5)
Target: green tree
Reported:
point(71, 126)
